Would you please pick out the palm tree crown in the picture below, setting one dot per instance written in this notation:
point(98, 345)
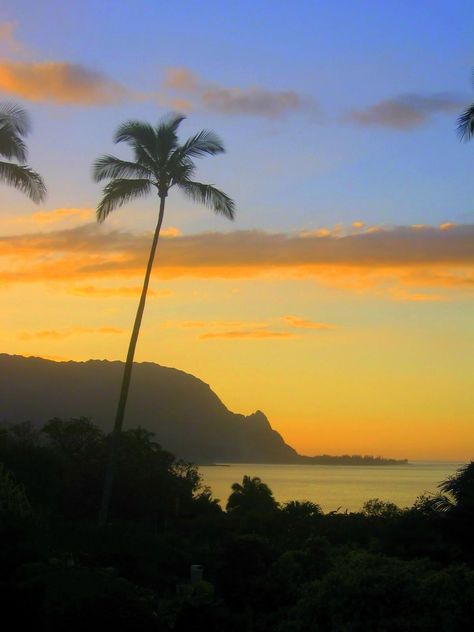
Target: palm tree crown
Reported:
point(252, 495)
point(466, 123)
point(161, 162)
point(14, 125)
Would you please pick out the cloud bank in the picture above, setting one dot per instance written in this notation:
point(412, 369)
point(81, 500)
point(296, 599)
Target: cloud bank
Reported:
point(406, 112)
point(59, 82)
point(416, 257)
point(194, 92)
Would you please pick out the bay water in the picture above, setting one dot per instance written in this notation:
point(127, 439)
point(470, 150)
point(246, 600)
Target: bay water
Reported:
point(334, 486)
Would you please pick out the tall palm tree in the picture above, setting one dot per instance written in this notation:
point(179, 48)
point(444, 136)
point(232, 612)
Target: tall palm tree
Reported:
point(14, 125)
point(159, 162)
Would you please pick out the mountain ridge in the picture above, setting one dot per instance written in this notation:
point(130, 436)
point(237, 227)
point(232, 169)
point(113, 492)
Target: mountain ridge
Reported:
point(185, 414)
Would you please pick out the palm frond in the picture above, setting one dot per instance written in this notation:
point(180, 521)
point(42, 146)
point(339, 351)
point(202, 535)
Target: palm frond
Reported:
point(11, 144)
point(137, 133)
point(166, 137)
point(466, 124)
point(142, 138)
point(442, 503)
point(179, 169)
point(108, 167)
point(120, 191)
point(15, 117)
point(211, 197)
point(24, 179)
point(460, 485)
point(170, 122)
point(204, 143)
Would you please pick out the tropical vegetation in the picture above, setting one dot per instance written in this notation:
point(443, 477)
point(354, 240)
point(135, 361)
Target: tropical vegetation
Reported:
point(263, 566)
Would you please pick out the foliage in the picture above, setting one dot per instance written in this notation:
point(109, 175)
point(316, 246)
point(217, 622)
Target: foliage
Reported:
point(14, 126)
point(160, 162)
point(459, 489)
point(377, 508)
point(13, 498)
point(252, 495)
point(288, 568)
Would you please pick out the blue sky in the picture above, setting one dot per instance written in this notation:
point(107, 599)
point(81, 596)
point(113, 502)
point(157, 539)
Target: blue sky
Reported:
point(304, 169)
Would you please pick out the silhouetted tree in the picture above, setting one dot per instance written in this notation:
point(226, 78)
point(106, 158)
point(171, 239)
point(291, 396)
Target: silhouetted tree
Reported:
point(461, 485)
point(458, 490)
point(160, 163)
point(251, 496)
point(14, 126)
point(466, 122)
point(376, 508)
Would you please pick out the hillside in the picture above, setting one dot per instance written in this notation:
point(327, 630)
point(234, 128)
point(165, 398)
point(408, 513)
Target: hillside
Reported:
point(186, 416)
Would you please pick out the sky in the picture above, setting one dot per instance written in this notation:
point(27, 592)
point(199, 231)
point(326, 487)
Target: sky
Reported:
point(340, 300)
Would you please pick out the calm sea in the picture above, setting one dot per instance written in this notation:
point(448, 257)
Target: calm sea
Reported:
point(334, 486)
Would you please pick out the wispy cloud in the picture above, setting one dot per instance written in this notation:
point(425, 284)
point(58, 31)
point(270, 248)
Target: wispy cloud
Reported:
point(60, 334)
point(171, 231)
point(400, 294)
point(56, 216)
point(187, 90)
point(304, 323)
point(94, 291)
point(59, 82)
point(206, 324)
point(256, 334)
point(407, 111)
point(9, 43)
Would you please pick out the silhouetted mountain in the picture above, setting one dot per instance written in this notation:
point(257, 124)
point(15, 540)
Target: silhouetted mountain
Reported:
point(186, 416)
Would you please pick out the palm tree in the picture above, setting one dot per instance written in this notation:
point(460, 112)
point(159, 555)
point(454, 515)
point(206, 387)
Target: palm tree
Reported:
point(466, 123)
point(159, 162)
point(456, 495)
point(459, 488)
point(14, 125)
point(251, 496)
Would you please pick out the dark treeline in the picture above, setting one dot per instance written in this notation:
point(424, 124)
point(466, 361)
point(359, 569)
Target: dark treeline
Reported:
point(257, 566)
point(349, 459)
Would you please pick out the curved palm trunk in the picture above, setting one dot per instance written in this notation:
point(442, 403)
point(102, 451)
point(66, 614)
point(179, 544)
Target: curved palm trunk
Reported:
point(127, 374)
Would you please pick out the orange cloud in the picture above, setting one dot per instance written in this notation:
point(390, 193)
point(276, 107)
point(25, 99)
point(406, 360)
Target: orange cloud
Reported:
point(201, 324)
point(427, 257)
point(171, 231)
point(302, 323)
point(55, 334)
point(399, 294)
point(93, 291)
point(59, 82)
point(57, 215)
point(254, 334)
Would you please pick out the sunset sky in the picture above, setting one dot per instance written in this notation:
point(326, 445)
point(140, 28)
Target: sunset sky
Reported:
point(340, 301)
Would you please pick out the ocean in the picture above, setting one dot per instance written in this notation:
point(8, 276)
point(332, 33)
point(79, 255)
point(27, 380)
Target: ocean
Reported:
point(334, 486)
